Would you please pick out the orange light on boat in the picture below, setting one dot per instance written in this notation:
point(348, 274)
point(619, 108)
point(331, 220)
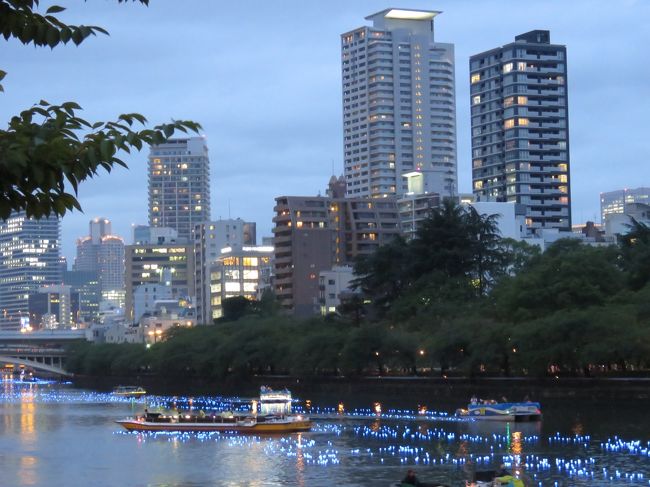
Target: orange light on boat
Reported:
point(422, 410)
point(377, 408)
point(341, 408)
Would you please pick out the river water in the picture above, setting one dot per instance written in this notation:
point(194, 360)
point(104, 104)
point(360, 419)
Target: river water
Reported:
point(55, 435)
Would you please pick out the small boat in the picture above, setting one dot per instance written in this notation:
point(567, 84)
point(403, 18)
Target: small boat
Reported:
point(502, 411)
point(248, 423)
point(129, 391)
point(274, 416)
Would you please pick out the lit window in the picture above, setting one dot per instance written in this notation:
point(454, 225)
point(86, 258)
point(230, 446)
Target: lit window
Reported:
point(233, 287)
point(507, 68)
point(521, 66)
point(251, 275)
point(478, 184)
point(476, 100)
point(522, 100)
point(522, 121)
point(475, 78)
point(508, 101)
point(250, 287)
point(508, 124)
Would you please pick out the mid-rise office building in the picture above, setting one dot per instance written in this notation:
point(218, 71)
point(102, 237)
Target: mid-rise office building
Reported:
point(29, 259)
point(313, 234)
point(144, 234)
point(615, 202)
point(179, 185)
point(520, 128)
point(152, 265)
point(617, 224)
point(239, 271)
point(399, 109)
point(209, 239)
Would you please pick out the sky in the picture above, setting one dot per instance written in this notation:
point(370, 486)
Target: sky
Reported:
point(264, 80)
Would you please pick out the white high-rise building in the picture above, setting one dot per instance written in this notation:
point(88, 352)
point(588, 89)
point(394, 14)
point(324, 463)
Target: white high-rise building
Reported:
point(399, 109)
point(29, 259)
point(179, 185)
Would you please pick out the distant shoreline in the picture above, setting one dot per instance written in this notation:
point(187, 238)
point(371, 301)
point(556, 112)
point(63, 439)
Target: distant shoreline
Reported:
point(539, 388)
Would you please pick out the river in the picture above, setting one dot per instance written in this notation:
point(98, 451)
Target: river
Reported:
point(56, 435)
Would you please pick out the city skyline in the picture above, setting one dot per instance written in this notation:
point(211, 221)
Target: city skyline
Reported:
point(269, 99)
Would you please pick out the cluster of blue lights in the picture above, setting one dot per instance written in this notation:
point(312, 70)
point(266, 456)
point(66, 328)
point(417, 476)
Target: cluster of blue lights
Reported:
point(394, 438)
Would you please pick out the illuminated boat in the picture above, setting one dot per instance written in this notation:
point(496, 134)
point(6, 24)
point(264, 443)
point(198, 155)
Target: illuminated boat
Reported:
point(502, 411)
point(129, 391)
point(249, 423)
point(274, 417)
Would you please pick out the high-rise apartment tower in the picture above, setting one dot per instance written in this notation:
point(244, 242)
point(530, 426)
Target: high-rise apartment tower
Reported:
point(179, 185)
point(399, 111)
point(520, 128)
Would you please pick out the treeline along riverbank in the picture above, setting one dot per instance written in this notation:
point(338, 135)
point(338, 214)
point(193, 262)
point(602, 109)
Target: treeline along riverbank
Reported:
point(456, 301)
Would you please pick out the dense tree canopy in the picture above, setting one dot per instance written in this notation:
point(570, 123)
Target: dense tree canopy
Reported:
point(574, 309)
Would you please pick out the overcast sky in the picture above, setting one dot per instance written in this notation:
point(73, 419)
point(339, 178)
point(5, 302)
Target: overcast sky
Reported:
point(263, 78)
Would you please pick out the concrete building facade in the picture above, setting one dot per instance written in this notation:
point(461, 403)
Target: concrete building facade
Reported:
point(209, 239)
point(332, 285)
point(520, 128)
point(171, 265)
point(179, 185)
point(313, 234)
point(615, 202)
point(239, 271)
point(399, 109)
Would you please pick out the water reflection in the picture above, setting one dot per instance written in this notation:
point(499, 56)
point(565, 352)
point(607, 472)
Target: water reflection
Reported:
point(36, 423)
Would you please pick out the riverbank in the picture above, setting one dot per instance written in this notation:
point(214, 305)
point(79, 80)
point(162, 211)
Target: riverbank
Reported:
point(516, 388)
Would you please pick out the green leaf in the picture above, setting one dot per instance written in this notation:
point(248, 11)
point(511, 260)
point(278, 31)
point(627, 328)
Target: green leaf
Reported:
point(54, 9)
point(52, 37)
point(66, 35)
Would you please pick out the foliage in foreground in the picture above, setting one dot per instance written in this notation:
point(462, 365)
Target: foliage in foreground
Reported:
point(48, 150)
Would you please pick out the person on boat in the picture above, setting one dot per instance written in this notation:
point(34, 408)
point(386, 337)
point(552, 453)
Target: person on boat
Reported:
point(509, 480)
point(504, 399)
point(473, 400)
point(411, 479)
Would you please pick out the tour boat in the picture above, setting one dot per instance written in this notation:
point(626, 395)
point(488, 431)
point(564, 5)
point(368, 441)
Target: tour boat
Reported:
point(129, 391)
point(274, 416)
point(502, 411)
point(222, 422)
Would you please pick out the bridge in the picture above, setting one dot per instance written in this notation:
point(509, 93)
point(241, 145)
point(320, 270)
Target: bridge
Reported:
point(42, 350)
